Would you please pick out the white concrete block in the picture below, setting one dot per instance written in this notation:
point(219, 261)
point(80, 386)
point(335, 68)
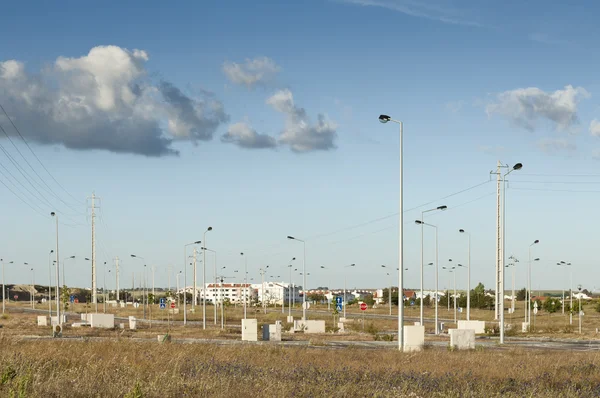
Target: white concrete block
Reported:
point(54, 320)
point(477, 326)
point(340, 326)
point(121, 326)
point(342, 319)
point(84, 317)
point(314, 327)
point(414, 338)
point(290, 319)
point(80, 324)
point(272, 332)
point(298, 325)
point(249, 330)
point(524, 327)
point(106, 321)
point(132, 323)
point(122, 304)
point(417, 323)
point(462, 339)
point(42, 320)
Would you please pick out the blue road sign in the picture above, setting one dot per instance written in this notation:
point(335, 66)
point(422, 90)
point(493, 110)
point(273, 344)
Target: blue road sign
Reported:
point(162, 300)
point(412, 303)
point(72, 298)
point(339, 300)
point(338, 307)
point(163, 303)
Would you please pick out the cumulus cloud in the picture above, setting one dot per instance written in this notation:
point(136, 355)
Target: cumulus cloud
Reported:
point(553, 146)
point(244, 136)
point(105, 100)
point(253, 72)
point(595, 128)
point(524, 107)
point(299, 133)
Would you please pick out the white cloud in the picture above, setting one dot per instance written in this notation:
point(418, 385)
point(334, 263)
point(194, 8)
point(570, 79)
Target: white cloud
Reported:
point(523, 107)
point(105, 100)
point(555, 145)
point(253, 72)
point(420, 9)
point(244, 136)
point(595, 128)
point(299, 133)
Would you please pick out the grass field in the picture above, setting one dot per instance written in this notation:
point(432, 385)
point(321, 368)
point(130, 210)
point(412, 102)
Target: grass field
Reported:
point(132, 369)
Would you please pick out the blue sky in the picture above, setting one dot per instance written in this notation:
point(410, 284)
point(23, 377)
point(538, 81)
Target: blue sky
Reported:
point(237, 89)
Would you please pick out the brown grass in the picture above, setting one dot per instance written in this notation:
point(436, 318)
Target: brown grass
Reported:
point(137, 369)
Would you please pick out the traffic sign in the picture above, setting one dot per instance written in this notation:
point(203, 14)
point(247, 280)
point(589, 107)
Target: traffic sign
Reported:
point(535, 305)
point(162, 300)
point(136, 305)
point(15, 297)
point(339, 300)
point(72, 299)
point(76, 301)
point(363, 306)
point(172, 304)
point(535, 310)
point(338, 307)
point(412, 303)
point(163, 306)
point(306, 305)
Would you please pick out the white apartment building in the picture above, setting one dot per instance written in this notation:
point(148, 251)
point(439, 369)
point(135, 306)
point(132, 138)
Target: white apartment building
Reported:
point(274, 293)
point(232, 292)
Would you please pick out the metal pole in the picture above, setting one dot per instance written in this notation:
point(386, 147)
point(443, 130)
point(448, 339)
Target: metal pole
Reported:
point(57, 277)
point(292, 290)
point(571, 295)
point(195, 282)
point(503, 259)
point(436, 281)
point(246, 284)
point(204, 282)
point(454, 274)
point(469, 280)
point(49, 284)
point(215, 271)
point(304, 282)
point(579, 309)
point(529, 288)
point(4, 289)
point(422, 273)
point(184, 285)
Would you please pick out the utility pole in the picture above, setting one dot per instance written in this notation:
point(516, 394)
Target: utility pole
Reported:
point(117, 275)
point(153, 270)
point(94, 286)
point(499, 270)
point(170, 271)
point(195, 282)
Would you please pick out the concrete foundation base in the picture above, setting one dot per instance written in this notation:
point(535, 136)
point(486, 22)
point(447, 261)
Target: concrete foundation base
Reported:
point(314, 327)
point(462, 339)
point(132, 323)
point(42, 321)
point(104, 321)
point(477, 326)
point(272, 332)
point(524, 327)
point(414, 338)
point(290, 319)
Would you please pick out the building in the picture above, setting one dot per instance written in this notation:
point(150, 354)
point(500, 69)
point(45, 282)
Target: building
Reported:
point(275, 293)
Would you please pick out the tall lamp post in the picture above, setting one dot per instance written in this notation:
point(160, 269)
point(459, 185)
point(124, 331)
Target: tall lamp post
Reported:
point(517, 166)
point(385, 119)
point(49, 283)
point(513, 298)
point(535, 242)
point(215, 274)
point(63, 268)
point(204, 278)
point(462, 231)
point(579, 307)
point(53, 214)
point(422, 265)
point(245, 288)
point(144, 286)
point(185, 282)
point(304, 276)
point(452, 270)
point(419, 222)
point(566, 264)
point(291, 289)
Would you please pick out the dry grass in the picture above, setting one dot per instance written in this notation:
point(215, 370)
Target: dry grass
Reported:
point(134, 369)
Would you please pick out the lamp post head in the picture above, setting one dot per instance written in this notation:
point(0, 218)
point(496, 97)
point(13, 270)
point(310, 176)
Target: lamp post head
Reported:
point(53, 214)
point(384, 118)
point(132, 255)
point(89, 259)
point(535, 242)
point(208, 229)
point(579, 287)
point(51, 251)
point(419, 222)
point(72, 257)
point(518, 166)
point(462, 231)
point(291, 237)
point(443, 207)
point(197, 242)
point(536, 259)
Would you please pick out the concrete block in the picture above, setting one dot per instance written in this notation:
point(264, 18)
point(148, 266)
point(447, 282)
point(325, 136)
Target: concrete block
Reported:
point(132, 323)
point(417, 323)
point(164, 338)
point(80, 324)
point(42, 320)
point(174, 311)
point(272, 332)
point(121, 326)
point(342, 319)
point(340, 326)
point(524, 327)
point(54, 320)
point(314, 327)
point(249, 330)
point(122, 304)
point(477, 326)
point(106, 321)
point(290, 319)
point(462, 339)
point(414, 338)
point(84, 317)
point(299, 325)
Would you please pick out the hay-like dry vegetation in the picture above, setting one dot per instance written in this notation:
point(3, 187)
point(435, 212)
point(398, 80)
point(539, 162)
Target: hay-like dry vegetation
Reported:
point(50, 368)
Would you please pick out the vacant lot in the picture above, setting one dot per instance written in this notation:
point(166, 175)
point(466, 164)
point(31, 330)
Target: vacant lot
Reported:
point(134, 369)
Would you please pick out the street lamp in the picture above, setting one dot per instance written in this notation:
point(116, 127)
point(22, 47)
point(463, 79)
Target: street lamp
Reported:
point(517, 166)
point(419, 222)
point(563, 263)
point(579, 307)
point(422, 267)
point(385, 119)
point(53, 214)
point(204, 279)
point(185, 282)
point(462, 231)
point(290, 293)
point(49, 283)
point(245, 288)
point(144, 300)
point(215, 274)
point(535, 242)
point(451, 269)
point(304, 276)
point(63, 268)
point(513, 298)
